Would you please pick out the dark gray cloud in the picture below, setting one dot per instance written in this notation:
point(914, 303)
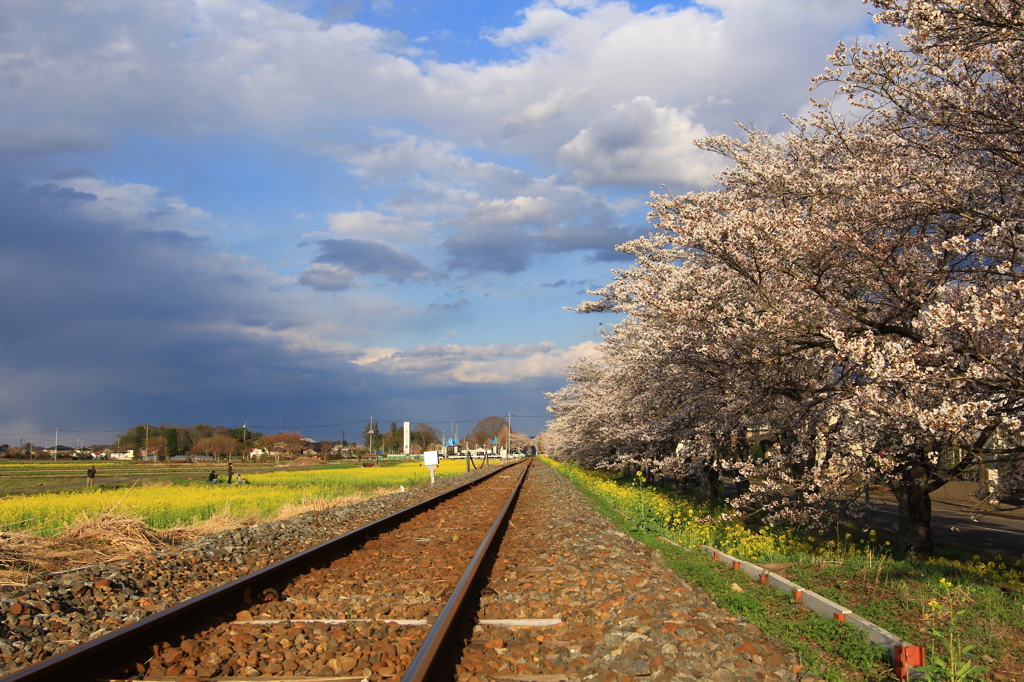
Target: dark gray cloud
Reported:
point(46, 140)
point(56, 195)
point(69, 173)
point(370, 258)
point(496, 250)
point(107, 326)
point(511, 250)
point(341, 261)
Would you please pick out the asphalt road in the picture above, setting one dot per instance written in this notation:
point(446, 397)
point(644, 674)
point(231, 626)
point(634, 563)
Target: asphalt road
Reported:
point(952, 525)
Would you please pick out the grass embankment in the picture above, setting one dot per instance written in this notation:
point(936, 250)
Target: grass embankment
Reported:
point(937, 602)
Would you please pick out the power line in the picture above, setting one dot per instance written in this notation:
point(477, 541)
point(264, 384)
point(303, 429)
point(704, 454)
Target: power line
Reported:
point(315, 426)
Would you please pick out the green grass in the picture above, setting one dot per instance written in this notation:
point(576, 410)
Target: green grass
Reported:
point(915, 598)
point(828, 648)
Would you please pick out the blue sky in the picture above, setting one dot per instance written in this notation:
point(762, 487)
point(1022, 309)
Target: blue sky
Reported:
point(302, 213)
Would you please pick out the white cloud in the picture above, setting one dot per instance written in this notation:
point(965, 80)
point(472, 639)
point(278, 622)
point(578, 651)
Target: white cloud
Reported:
point(515, 211)
point(539, 364)
point(555, 103)
point(171, 65)
point(455, 364)
point(474, 210)
point(329, 277)
point(404, 155)
point(373, 354)
point(640, 143)
point(378, 225)
point(135, 205)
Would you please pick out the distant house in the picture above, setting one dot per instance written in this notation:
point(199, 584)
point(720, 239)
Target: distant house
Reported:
point(257, 452)
point(125, 455)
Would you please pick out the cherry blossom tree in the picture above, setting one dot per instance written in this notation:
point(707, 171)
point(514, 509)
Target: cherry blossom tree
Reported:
point(218, 445)
point(853, 288)
point(288, 442)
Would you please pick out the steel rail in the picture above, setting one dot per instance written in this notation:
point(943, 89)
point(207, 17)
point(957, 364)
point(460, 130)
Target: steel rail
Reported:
point(432, 652)
point(120, 653)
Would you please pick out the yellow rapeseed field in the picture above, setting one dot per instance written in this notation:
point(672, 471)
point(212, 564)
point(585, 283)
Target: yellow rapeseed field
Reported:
point(681, 520)
point(167, 506)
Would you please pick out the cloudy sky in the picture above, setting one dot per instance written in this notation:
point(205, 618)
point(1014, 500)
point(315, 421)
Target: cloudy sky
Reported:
point(304, 213)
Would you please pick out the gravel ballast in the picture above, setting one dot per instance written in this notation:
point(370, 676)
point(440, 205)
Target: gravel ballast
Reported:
point(624, 616)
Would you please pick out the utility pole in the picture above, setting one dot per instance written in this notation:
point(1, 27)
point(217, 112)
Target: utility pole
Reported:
point(371, 426)
point(465, 454)
point(56, 435)
point(508, 439)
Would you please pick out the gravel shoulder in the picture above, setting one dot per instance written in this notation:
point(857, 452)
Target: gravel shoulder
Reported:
point(624, 614)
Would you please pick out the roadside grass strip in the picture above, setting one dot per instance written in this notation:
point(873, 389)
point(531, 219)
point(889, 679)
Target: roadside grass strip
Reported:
point(905, 656)
point(966, 610)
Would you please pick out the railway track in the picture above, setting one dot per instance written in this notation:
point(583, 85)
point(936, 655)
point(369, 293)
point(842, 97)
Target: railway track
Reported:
point(383, 587)
point(558, 594)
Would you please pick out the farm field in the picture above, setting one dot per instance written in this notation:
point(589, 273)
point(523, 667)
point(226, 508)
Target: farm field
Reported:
point(31, 477)
point(966, 609)
point(168, 495)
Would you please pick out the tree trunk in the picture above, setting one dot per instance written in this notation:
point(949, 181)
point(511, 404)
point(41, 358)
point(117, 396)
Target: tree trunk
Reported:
point(913, 495)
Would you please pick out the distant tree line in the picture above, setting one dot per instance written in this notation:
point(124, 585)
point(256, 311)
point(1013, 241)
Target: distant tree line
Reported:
point(164, 441)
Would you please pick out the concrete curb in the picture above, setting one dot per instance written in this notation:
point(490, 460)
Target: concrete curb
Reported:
point(905, 655)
